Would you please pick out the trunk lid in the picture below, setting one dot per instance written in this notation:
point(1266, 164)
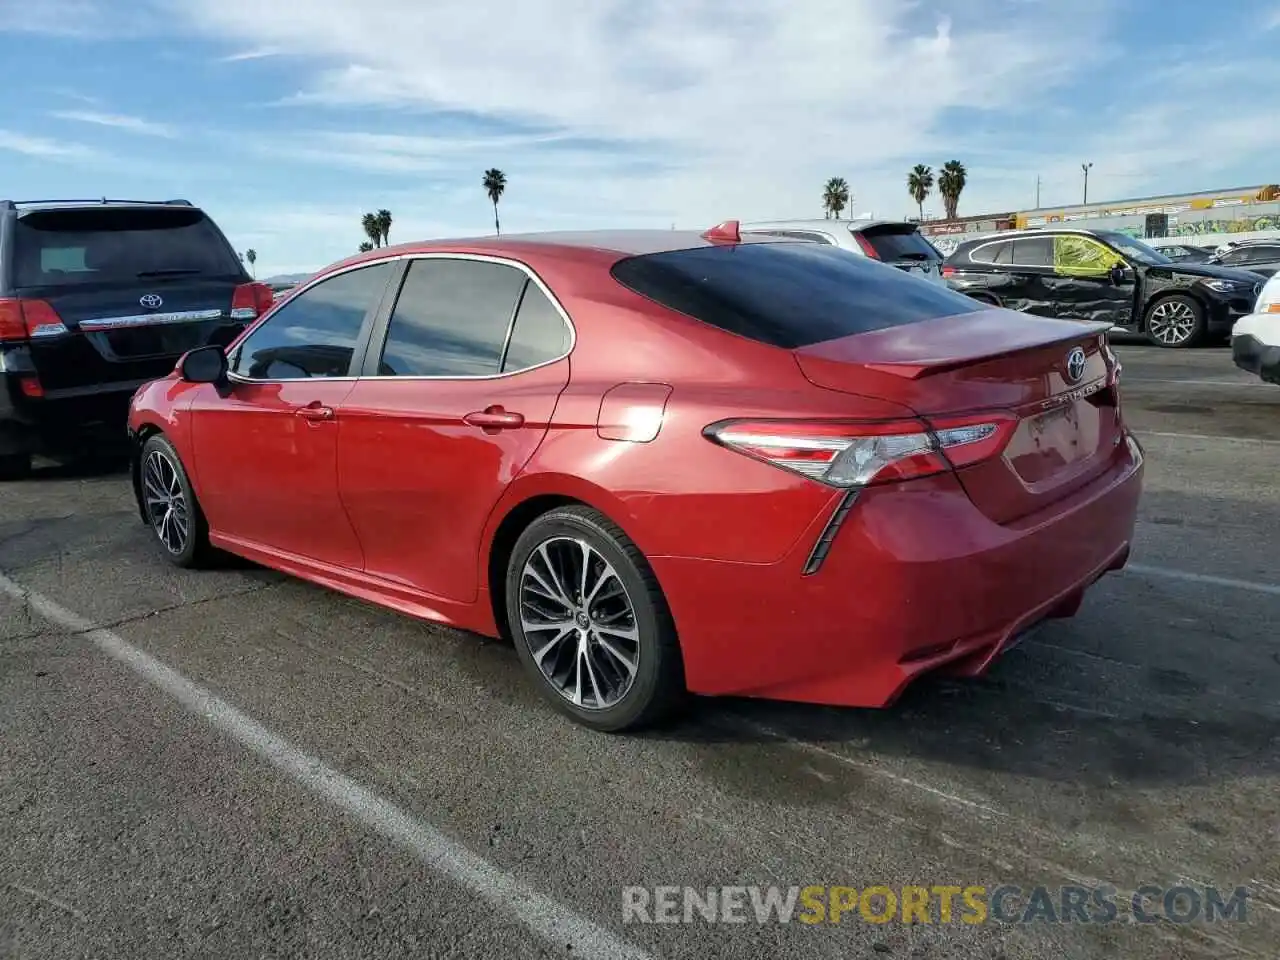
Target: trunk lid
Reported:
point(1069, 425)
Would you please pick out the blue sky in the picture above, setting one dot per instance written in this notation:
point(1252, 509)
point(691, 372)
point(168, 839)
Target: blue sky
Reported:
point(286, 121)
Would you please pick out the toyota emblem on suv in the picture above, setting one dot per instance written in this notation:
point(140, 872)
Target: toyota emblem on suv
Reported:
point(151, 301)
point(1076, 362)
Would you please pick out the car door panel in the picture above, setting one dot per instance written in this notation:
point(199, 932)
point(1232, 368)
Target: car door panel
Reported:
point(419, 481)
point(265, 444)
point(267, 456)
point(464, 378)
point(1083, 285)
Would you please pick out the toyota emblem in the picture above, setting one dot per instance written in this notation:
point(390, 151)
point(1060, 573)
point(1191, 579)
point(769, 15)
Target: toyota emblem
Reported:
point(151, 301)
point(1076, 362)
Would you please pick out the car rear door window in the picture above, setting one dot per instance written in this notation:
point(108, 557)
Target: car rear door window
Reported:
point(118, 244)
point(1262, 254)
point(538, 334)
point(315, 334)
point(1033, 252)
point(787, 294)
point(451, 319)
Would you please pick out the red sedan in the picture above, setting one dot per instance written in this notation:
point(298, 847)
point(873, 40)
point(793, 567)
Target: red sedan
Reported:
point(659, 461)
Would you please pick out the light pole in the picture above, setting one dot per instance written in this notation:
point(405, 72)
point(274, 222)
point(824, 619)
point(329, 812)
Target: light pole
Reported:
point(1085, 167)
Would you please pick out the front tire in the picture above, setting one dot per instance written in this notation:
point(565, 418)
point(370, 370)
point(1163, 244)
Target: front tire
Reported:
point(170, 505)
point(590, 622)
point(1176, 321)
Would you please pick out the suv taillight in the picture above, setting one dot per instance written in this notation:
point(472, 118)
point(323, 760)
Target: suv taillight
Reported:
point(948, 271)
point(858, 454)
point(250, 301)
point(866, 246)
point(24, 319)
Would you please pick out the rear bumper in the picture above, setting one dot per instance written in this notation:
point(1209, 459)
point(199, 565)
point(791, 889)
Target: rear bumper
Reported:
point(62, 422)
point(917, 580)
point(1253, 355)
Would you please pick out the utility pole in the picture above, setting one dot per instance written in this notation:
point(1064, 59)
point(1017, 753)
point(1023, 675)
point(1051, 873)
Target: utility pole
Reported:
point(1037, 191)
point(1085, 167)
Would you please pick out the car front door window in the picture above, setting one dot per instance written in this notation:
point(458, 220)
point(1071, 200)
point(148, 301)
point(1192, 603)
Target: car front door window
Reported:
point(316, 333)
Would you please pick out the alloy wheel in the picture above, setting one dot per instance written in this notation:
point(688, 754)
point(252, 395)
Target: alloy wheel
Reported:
point(579, 623)
point(1172, 322)
point(166, 502)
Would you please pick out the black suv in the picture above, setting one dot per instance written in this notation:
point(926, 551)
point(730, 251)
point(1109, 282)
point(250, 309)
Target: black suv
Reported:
point(1103, 275)
point(97, 298)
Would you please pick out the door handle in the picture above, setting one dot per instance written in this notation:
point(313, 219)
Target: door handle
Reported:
point(494, 418)
point(315, 412)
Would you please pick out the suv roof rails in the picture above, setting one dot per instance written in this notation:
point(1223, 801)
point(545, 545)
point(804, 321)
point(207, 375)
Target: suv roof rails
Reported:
point(11, 204)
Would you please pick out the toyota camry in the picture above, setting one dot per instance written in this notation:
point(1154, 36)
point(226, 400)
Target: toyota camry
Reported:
point(660, 463)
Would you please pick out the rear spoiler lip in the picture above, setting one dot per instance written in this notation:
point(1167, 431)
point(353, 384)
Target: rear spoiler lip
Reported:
point(919, 367)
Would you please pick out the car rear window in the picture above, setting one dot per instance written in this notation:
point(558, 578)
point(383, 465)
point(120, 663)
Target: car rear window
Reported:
point(61, 247)
point(900, 242)
point(787, 294)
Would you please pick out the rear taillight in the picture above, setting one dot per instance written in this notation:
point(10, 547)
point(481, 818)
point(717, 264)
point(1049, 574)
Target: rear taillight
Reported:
point(948, 271)
point(859, 454)
point(27, 319)
point(865, 245)
point(250, 301)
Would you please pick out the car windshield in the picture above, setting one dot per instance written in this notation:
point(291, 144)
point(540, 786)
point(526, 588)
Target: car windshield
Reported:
point(1135, 249)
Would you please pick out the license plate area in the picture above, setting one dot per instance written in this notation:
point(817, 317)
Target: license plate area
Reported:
point(135, 343)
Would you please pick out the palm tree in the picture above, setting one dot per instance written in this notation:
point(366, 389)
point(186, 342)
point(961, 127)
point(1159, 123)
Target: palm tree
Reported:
point(252, 256)
point(372, 228)
point(365, 246)
point(919, 184)
point(384, 225)
point(495, 183)
point(835, 197)
point(951, 183)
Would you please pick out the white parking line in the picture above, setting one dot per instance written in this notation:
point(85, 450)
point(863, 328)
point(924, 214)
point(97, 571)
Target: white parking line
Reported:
point(554, 922)
point(1206, 436)
point(1143, 570)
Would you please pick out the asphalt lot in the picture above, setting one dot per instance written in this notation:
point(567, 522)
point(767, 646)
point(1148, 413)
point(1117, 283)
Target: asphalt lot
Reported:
point(237, 764)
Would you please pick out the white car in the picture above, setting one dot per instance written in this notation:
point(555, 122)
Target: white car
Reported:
point(1255, 339)
point(898, 243)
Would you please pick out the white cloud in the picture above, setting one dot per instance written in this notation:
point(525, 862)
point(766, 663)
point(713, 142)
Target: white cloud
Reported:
point(256, 53)
point(118, 121)
point(43, 147)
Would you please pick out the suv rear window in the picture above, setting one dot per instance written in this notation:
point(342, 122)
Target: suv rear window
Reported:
point(900, 242)
point(118, 245)
point(787, 294)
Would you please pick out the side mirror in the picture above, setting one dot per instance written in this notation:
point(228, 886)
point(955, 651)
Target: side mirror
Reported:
point(203, 365)
point(1119, 274)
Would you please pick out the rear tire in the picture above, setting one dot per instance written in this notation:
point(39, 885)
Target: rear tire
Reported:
point(170, 505)
point(609, 659)
point(1175, 321)
point(15, 466)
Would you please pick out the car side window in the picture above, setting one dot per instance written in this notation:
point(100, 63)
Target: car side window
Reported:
point(451, 319)
point(1262, 254)
point(1080, 256)
point(315, 333)
point(1004, 253)
point(1033, 252)
point(538, 334)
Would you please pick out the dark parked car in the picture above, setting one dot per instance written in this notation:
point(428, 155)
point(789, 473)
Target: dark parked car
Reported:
point(1104, 275)
point(96, 299)
point(1257, 256)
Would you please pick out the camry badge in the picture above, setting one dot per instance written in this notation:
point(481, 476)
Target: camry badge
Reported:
point(1076, 362)
point(151, 301)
